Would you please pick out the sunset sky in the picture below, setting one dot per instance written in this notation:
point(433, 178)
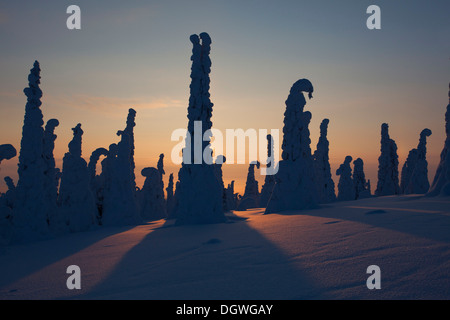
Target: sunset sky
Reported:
point(137, 54)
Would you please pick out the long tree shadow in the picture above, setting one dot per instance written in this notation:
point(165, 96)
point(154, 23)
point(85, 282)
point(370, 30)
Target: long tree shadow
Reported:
point(20, 261)
point(216, 261)
point(418, 216)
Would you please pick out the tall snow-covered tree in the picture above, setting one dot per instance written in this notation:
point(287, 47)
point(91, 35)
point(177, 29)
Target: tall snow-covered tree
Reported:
point(322, 168)
point(7, 152)
point(30, 216)
point(346, 189)
point(75, 199)
point(269, 179)
point(170, 201)
point(231, 198)
point(295, 186)
point(119, 199)
point(96, 181)
point(199, 194)
point(441, 181)
point(388, 182)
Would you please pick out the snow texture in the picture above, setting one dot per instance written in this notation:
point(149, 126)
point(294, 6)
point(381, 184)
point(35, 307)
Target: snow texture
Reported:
point(346, 190)
point(388, 182)
point(322, 168)
point(199, 193)
point(295, 186)
point(441, 181)
point(414, 179)
point(250, 199)
point(119, 198)
point(30, 216)
point(361, 187)
point(75, 199)
point(269, 180)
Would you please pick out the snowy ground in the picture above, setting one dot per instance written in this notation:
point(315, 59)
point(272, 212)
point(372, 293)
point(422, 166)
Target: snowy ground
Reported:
point(318, 254)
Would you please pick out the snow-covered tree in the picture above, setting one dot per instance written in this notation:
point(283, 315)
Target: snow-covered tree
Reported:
point(151, 196)
point(295, 187)
point(75, 199)
point(7, 152)
point(441, 181)
point(269, 180)
point(322, 168)
point(250, 199)
point(346, 190)
point(30, 216)
point(388, 182)
point(96, 182)
point(199, 194)
point(360, 185)
point(414, 177)
point(119, 200)
point(231, 198)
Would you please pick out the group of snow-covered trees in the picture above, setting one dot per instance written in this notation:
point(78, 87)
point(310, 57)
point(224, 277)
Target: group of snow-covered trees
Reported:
point(48, 201)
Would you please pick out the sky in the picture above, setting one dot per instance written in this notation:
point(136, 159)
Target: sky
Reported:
point(137, 54)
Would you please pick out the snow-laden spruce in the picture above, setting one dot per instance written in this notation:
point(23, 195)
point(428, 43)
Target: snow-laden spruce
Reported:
point(119, 200)
point(414, 178)
point(388, 182)
point(360, 185)
point(75, 199)
point(151, 196)
point(250, 199)
point(56, 221)
point(322, 168)
point(30, 216)
point(295, 186)
point(199, 193)
point(441, 181)
point(269, 180)
point(346, 190)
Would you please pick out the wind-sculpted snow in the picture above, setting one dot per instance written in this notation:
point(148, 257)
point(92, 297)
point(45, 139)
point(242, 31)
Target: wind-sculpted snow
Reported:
point(388, 182)
point(295, 186)
point(414, 179)
point(199, 193)
point(75, 199)
point(441, 181)
point(322, 168)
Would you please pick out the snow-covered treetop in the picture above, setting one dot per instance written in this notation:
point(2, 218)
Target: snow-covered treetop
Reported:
point(160, 164)
point(75, 144)
point(33, 92)
point(324, 127)
point(7, 152)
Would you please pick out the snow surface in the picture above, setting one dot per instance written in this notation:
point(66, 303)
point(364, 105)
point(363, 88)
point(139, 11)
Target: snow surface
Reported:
point(314, 254)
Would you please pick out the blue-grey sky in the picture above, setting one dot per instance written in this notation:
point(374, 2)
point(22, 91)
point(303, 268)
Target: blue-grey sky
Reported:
point(136, 54)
